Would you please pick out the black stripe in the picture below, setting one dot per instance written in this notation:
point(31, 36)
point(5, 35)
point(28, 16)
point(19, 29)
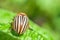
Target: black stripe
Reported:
point(20, 23)
point(17, 23)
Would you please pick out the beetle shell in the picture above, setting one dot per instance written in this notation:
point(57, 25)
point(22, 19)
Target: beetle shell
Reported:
point(20, 23)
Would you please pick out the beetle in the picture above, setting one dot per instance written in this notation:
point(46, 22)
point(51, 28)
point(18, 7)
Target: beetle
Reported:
point(20, 23)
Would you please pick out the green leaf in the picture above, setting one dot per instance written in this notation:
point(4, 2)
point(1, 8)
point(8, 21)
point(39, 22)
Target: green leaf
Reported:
point(34, 33)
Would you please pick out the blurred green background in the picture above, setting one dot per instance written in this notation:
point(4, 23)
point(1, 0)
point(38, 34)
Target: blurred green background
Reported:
point(45, 13)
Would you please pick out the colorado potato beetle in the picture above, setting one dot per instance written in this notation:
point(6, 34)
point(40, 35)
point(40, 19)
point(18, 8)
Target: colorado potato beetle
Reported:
point(20, 23)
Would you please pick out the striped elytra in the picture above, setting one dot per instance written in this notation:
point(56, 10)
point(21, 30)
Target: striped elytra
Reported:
point(20, 23)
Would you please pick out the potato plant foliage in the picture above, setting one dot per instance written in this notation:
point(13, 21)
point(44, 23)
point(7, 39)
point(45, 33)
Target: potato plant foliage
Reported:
point(35, 33)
